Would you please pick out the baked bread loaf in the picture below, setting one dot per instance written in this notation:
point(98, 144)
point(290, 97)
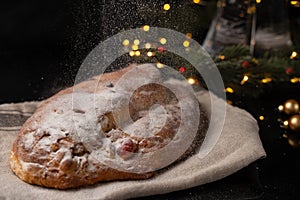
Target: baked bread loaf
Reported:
point(122, 125)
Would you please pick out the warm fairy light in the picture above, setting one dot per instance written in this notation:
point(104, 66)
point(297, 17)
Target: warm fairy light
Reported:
point(126, 42)
point(147, 45)
point(189, 35)
point(258, 1)
point(221, 57)
point(280, 108)
point(295, 80)
point(186, 43)
point(266, 80)
point(251, 9)
point(131, 53)
point(136, 42)
point(254, 60)
point(196, 1)
point(261, 117)
point(286, 123)
point(293, 55)
point(146, 28)
point(135, 47)
point(191, 81)
point(229, 89)
point(294, 3)
point(137, 53)
point(245, 79)
point(159, 65)
point(150, 54)
point(167, 6)
point(163, 40)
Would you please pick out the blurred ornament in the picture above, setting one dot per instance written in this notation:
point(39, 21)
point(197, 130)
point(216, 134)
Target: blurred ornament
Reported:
point(290, 107)
point(294, 123)
point(292, 139)
point(294, 142)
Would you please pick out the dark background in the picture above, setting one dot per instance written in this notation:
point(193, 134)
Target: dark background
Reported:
point(42, 44)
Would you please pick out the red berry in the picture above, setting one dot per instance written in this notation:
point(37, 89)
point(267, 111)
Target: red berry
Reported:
point(182, 69)
point(245, 64)
point(289, 70)
point(161, 49)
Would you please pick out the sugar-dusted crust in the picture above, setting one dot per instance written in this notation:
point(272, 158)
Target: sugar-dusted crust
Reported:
point(58, 146)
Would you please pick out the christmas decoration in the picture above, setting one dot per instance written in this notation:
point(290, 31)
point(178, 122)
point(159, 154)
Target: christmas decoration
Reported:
point(182, 69)
point(294, 123)
point(246, 64)
point(291, 106)
point(290, 121)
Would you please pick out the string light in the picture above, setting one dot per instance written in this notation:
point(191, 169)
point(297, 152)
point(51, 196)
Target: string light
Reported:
point(136, 42)
point(261, 118)
point(146, 28)
point(266, 80)
point(150, 54)
point(293, 55)
point(221, 57)
point(135, 47)
point(159, 65)
point(147, 45)
point(163, 40)
point(286, 123)
point(280, 108)
point(258, 1)
point(126, 42)
point(251, 9)
point(244, 80)
point(295, 3)
point(191, 81)
point(167, 7)
point(137, 53)
point(131, 53)
point(189, 35)
point(295, 80)
point(254, 60)
point(229, 90)
point(186, 43)
point(196, 1)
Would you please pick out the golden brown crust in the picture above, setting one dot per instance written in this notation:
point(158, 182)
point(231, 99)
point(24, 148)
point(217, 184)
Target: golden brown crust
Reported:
point(58, 158)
